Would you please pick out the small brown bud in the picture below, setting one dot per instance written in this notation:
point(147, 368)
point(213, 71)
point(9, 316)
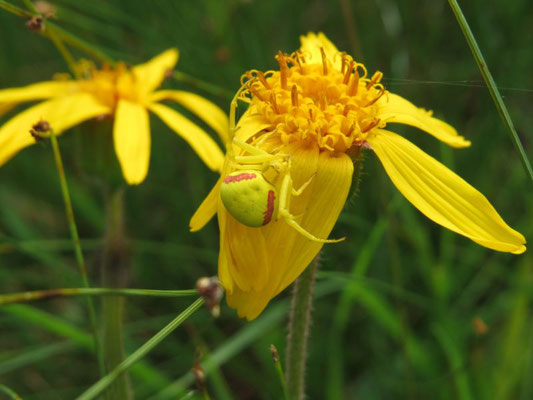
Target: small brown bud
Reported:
point(39, 130)
point(209, 288)
point(480, 327)
point(35, 23)
point(168, 73)
point(45, 8)
point(275, 354)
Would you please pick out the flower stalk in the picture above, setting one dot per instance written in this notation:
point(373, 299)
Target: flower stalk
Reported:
point(114, 272)
point(299, 323)
point(68, 292)
point(43, 127)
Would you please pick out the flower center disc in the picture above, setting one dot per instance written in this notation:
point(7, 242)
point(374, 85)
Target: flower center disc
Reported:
point(331, 103)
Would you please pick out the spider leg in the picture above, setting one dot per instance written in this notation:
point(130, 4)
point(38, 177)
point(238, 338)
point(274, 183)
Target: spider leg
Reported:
point(283, 212)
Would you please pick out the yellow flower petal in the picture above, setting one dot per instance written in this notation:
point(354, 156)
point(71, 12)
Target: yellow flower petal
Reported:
point(207, 209)
point(250, 124)
point(288, 252)
point(394, 108)
point(150, 74)
point(5, 108)
point(442, 195)
point(131, 135)
point(209, 112)
point(37, 91)
point(201, 142)
point(62, 113)
point(311, 44)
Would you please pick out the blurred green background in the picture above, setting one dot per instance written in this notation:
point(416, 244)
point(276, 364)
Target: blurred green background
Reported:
point(404, 309)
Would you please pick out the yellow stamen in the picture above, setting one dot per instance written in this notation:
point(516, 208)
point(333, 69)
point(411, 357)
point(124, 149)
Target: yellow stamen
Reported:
point(324, 61)
point(354, 86)
point(283, 69)
point(376, 78)
point(348, 73)
point(294, 96)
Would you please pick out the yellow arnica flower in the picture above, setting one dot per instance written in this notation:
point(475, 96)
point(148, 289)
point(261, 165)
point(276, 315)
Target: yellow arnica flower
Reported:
point(126, 94)
point(308, 121)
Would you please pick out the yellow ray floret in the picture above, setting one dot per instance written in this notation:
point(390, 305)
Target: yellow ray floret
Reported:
point(123, 94)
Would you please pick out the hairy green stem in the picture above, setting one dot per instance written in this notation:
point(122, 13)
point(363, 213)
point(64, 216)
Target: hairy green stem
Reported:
point(45, 294)
point(107, 380)
point(299, 322)
point(493, 89)
point(76, 241)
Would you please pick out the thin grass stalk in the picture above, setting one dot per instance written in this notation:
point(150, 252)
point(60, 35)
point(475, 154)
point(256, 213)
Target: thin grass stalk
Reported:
point(71, 63)
point(64, 292)
point(299, 322)
point(9, 392)
point(491, 85)
point(138, 354)
point(279, 371)
point(76, 242)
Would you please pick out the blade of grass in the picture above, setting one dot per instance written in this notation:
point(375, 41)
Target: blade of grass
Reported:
point(44, 294)
point(9, 392)
point(491, 85)
point(33, 356)
point(107, 380)
point(53, 324)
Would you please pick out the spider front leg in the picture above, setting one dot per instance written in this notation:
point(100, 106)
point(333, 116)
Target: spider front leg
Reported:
point(284, 202)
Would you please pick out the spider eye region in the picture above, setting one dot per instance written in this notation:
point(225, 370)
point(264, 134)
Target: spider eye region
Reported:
point(249, 197)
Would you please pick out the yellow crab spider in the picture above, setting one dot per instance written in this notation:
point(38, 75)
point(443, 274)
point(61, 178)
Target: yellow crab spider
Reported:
point(249, 197)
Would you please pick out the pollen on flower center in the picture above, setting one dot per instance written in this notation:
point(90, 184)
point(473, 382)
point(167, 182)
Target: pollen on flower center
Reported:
point(330, 101)
point(109, 84)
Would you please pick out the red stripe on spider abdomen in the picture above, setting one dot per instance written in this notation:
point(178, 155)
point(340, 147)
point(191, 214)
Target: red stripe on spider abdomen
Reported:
point(241, 177)
point(270, 207)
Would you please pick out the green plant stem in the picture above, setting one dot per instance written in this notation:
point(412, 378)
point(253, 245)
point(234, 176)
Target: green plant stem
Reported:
point(14, 9)
point(67, 37)
point(45, 294)
point(491, 85)
point(9, 392)
point(299, 322)
point(107, 380)
point(115, 271)
point(76, 241)
point(279, 371)
point(54, 37)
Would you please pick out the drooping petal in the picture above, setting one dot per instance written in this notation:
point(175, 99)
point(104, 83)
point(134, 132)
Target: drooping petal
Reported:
point(209, 112)
point(311, 44)
point(131, 135)
point(150, 74)
point(394, 108)
point(327, 198)
point(200, 141)
point(207, 209)
point(288, 252)
point(61, 113)
point(37, 91)
point(442, 195)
